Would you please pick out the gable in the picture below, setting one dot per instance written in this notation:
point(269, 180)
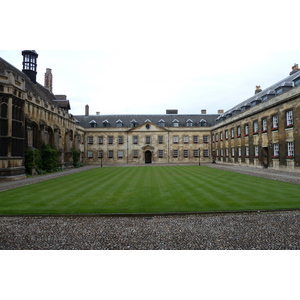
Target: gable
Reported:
point(148, 127)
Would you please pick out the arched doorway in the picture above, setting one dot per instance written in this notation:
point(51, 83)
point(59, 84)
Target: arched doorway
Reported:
point(148, 157)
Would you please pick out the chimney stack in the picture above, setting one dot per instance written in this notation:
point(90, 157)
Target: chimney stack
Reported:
point(258, 89)
point(98, 113)
point(87, 113)
point(221, 111)
point(203, 112)
point(295, 69)
point(48, 80)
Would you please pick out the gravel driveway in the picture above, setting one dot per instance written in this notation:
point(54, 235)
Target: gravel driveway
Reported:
point(255, 230)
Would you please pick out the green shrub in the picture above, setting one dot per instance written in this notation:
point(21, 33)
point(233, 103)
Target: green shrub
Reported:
point(33, 161)
point(76, 157)
point(49, 159)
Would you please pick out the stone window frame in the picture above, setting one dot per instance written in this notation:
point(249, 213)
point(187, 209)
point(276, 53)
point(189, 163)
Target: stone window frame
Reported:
point(90, 140)
point(186, 153)
point(175, 139)
point(175, 153)
point(160, 153)
point(110, 154)
point(148, 140)
point(89, 154)
point(289, 115)
point(135, 154)
point(110, 140)
point(120, 154)
point(135, 139)
point(196, 153)
point(160, 139)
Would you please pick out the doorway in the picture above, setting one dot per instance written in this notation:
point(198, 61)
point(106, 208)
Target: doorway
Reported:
point(265, 157)
point(148, 157)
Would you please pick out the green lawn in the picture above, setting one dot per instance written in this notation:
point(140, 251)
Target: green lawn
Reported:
point(150, 190)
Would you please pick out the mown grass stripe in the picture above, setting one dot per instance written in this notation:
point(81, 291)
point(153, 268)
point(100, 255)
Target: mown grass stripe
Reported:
point(150, 189)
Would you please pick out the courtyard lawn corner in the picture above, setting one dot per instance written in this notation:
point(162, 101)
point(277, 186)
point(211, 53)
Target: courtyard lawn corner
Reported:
point(155, 189)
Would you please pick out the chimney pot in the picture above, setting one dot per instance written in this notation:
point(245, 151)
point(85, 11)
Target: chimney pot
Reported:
point(258, 89)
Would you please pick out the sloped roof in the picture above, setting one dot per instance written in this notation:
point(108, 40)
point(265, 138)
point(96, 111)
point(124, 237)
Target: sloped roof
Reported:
point(84, 121)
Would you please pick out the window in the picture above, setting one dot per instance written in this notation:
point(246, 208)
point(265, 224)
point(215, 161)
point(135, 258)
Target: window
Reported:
point(226, 152)
point(175, 153)
point(135, 154)
point(106, 123)
point(119, 124)
point(100, 154)
point(217, 137)
point(93, 124)
point(120, 154)
point(196, 153)
point(90, 154)
point(100, 140)
point(185, 139)
point(175, 139)
point(110, 140)
point(290, 150)
point(135, 140)
point(160, 139)
point(238, 131)
point(205, 153)
point(133, 123)
point(246, 129)
point(120, 140)
point(232, 133)
point(256, 151)
point(110, 154)
point(226, 134)
point(148, 140)
point(221, 136)
point(264, 125)
point(275, 150)
point(275, 122)
point(161, 153)
point(240, 151)
point(185, 153)
point(255, 127)
point(222, 152)
point(205, 139)
point(90, 140)
point(202, 123)
point(232, 152)
point(189, 123)
point(195, 139)
point(175, 123)
point(217, 153)
point(161, 123)
point(289, 119)
point(247, 151)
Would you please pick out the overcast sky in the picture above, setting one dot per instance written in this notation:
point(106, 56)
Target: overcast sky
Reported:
point(147, 58)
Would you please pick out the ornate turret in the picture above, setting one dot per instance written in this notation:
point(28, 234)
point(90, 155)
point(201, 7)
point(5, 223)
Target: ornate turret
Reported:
point(30, 64)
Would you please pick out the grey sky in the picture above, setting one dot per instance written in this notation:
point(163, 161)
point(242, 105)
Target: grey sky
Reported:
point(148, 57)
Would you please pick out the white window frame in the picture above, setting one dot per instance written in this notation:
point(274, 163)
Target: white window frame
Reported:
point(175, 139)
point(186, 139)
point(264, 125)
point(120, 154)
point(289, 118)
point(276, 150)
point(290, 149)
point(90, 154)
point(275, 122)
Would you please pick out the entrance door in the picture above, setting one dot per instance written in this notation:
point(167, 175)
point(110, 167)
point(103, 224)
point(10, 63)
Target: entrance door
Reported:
point(265, 157)
point(148, 157)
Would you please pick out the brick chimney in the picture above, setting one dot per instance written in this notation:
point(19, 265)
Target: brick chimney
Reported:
point(203, 112)
point(295, 69)
point(221, 111)
point(87, 110)
point(48, 80)
point(258, 89)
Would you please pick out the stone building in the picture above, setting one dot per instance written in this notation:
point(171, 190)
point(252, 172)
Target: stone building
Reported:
point(139, 139)
point(262, 131)
point(30, 115)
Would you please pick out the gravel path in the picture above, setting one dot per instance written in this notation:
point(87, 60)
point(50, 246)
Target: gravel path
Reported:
point(256, 230)
point(245, 231)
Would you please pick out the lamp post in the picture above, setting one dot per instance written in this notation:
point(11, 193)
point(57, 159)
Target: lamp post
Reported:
point(199, 157)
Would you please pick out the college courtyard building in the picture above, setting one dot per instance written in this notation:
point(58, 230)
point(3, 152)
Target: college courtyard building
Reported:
point(262, 131)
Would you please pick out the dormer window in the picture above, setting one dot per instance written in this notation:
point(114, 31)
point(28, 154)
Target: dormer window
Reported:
point(93, 124)
point(296, 81)
point(283, 88)
point(189, 123)
point(268, 96)
point(255, 102)
point(119, 124)
point(134, 123)
point(202, 123)
point(161, 123)
point(175, 123)
point(106, 123)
